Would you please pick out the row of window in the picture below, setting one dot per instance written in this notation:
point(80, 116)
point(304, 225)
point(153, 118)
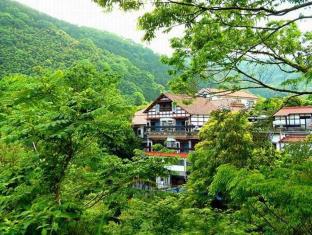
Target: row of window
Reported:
point(293, 119)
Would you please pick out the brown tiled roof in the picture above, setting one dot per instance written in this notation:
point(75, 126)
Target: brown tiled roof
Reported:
point(236, 94)
point(139, 118)
point(199, 105)
point(293, 138)
point(294, 110)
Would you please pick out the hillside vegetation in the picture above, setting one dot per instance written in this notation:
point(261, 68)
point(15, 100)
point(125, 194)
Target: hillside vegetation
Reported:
point(72, 164)
point(30, 40)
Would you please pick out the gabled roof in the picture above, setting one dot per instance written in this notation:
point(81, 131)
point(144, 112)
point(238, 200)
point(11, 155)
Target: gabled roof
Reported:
point(139, 118)
point(173, 97)
point(197, 105)
point(285, 111)
point(235, 94)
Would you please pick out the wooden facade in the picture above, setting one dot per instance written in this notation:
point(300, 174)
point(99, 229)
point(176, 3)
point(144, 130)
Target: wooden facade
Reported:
point(199, 120)
point(155, 111)
point(294, 121)
point(167, 120)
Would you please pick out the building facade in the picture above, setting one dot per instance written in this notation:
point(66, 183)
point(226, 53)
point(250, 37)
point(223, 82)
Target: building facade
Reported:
point(291, 125)
point(241, 97)
point(174, 121)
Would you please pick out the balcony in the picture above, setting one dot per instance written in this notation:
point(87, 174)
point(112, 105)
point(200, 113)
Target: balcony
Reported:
point(179, 132)
point(293, 128)
point(181, 150)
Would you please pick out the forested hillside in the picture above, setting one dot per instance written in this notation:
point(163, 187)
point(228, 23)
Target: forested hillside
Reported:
point(71, 162)
point(30, 40)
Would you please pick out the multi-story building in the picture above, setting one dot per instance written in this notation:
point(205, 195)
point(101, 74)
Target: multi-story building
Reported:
point(242, 97)
point(174, 122)
point(291, 125)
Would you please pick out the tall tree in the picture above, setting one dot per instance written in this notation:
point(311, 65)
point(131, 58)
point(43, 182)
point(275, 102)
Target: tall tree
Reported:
point(220, 36)
point(226, 138)
point(60, 134)
point(271, 200)
point(63, 115)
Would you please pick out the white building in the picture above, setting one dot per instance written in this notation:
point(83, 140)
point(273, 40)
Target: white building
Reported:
point(291, 125)
point(242, 97)
point(174, 120)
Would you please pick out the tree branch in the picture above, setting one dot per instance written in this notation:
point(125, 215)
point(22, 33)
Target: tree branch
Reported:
point(264, 85)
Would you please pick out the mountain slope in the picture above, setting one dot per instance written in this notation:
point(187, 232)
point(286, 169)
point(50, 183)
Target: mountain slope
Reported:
point(143, 58)
point(29, 39)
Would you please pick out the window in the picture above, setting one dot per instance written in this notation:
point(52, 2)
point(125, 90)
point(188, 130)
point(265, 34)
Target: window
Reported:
point(165, 106)
point(174, 107)
point(294, 119)
point(157, 108)
point(167, 125)
point(167, 122)
point(250, 103)
point(171, 144)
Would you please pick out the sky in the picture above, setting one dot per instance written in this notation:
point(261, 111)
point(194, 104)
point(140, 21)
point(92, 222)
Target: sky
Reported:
point(87, 13)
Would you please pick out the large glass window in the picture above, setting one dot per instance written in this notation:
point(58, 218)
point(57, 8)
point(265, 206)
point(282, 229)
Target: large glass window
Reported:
point(167, 124)
point(294, 119)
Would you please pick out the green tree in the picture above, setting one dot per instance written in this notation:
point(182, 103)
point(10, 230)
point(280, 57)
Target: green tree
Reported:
point(226, 138)
point(66, 123)
point(267, 106)
point(274, 201)
point(221, 36)
point(138, 99)
point(61, 113)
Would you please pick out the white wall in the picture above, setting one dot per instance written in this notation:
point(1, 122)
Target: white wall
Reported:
point(276, 138)
point(163, 182)
point(199, 120)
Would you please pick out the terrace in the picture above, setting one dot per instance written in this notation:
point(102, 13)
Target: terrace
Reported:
point(179, 132)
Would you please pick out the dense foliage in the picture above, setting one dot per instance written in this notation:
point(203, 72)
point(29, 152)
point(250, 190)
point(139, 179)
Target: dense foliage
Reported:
point(68, 157)
point(61, 134)
point(220, 36)
point(64, 138)
point(30, 39)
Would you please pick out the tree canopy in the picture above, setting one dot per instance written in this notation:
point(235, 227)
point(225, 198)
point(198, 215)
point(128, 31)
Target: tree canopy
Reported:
point(220, 36)
point(69, 162)
point(61, 133)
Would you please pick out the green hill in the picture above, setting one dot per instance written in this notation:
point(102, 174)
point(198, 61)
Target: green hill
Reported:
point(29, 39)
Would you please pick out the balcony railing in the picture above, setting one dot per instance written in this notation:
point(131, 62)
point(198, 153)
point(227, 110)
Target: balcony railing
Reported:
point(177, 150)
point(181, 129)
point(183, 132)
point(293, 128)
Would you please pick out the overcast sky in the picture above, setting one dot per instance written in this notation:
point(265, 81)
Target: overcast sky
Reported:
point(87, 13)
